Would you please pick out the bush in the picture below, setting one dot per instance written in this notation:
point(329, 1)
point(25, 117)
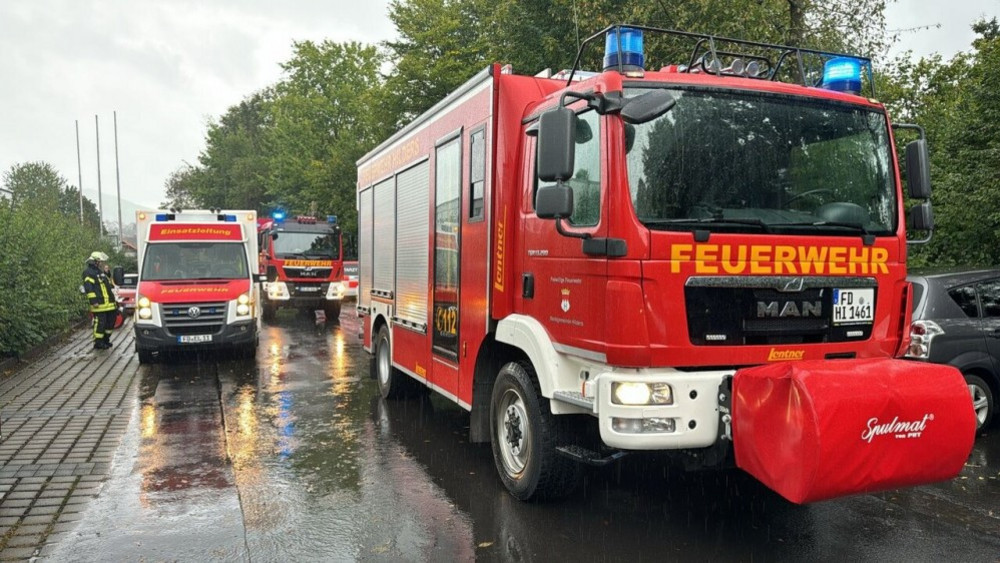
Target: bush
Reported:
point(42, 256)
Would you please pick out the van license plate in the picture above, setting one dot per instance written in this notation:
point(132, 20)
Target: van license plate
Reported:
point(194, 338)
point(853, 306)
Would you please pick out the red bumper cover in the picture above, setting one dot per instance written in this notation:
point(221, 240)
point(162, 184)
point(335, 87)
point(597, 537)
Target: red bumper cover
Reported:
point(817, 430)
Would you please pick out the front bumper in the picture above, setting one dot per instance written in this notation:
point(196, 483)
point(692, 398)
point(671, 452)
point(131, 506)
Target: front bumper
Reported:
point(159, 339)
point(302, 294)
point(694, 412)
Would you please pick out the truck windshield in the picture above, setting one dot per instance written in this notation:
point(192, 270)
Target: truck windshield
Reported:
point(306, 245)
point(194, 261)
point(751, 162)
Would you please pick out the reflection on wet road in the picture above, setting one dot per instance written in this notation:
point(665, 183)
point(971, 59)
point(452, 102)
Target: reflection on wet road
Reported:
point(292, 457)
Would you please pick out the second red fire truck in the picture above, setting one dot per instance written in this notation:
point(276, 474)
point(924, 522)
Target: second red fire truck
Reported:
point(706, 259)
point(301, 258)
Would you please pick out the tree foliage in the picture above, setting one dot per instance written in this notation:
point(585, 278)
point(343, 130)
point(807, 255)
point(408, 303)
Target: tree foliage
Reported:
point(41, 258)
point(956, 102)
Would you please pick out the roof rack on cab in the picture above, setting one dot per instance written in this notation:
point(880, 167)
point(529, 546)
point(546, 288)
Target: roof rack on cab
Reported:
point(749, 59)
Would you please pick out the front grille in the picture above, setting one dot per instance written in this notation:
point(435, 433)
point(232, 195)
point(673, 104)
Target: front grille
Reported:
point(178, 318)
point(319, 273)
point(769, 311)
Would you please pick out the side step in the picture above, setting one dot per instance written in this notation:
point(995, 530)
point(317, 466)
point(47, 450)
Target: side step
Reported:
point(589, 457)
point(574, 398)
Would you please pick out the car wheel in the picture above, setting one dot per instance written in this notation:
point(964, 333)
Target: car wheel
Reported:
point(982, 400)
point(524, 435)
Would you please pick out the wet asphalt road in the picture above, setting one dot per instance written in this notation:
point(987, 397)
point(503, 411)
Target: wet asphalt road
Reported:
point(292, 457)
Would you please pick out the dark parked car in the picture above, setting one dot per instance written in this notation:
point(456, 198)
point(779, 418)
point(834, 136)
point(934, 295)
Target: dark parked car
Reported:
point(956, 321)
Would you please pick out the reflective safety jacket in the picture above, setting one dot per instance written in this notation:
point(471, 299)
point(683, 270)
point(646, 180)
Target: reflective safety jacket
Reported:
point(97, 287)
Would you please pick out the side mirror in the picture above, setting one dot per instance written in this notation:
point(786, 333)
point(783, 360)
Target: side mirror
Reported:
point(918, 169)
point(648, 106)
point(274, 236)
point(554, 202)
point(118, 275)
point(556, 149)
point(922, 217)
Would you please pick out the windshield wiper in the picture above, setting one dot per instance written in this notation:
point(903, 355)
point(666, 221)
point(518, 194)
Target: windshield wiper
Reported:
point(765, 227)
point(867, 236)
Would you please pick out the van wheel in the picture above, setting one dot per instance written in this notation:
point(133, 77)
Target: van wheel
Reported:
point(982, 400)
point(524, 435)
point(145, 356)
point(392, 383)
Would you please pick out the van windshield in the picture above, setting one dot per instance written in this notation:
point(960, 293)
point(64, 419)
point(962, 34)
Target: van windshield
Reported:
point(194, 261)
point(757, 162)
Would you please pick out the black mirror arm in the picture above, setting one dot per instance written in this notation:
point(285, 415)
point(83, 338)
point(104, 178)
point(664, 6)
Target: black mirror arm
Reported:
point(911, 127)
point(596, 101)
point(565, 233)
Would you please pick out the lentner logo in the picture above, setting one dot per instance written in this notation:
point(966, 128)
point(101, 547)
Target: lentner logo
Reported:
point(785, 355)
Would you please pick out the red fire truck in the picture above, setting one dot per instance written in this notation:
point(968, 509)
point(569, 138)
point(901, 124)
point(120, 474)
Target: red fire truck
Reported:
point(197, 282)
point(302, 260)
point(706, 259)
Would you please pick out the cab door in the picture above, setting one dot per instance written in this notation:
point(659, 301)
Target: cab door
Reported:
point(560, 285)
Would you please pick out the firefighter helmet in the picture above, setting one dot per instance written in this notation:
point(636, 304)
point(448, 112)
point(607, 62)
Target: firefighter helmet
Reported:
point(98, 256)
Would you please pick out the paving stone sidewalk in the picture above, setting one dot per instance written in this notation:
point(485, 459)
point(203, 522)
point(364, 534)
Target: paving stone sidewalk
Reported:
point(62, 416)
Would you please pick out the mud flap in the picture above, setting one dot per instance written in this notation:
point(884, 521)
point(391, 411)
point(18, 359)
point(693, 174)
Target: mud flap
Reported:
point(817, 430)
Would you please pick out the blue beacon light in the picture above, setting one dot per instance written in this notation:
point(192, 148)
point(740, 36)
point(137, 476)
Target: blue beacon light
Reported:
point(631, 55)
point(278, 216)
point(842, 74)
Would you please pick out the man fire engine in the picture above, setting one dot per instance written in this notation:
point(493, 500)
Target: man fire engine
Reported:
point(706, 259)
point(197, 282)
point(302, 260)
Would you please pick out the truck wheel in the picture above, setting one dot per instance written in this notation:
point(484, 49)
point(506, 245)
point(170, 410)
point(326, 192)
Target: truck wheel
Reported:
point(145, 356)
point(247, 351)
point(982, 400)
point(524, 435)
point(392, 383)
point(268, 312)
point(332, 311)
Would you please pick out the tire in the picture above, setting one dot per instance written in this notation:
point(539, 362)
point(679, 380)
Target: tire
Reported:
point(268, 312)
point(392, 383)
point(146, 356)
point(332, 311)
point(247, 351)
point(524, 435)
point(983, 402)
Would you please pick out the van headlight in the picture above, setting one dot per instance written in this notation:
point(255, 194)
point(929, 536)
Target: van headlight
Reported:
point(144, 308)
point(634, 393)
point(243, 305)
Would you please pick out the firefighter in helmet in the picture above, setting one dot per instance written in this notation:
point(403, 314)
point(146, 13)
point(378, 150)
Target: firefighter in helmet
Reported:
point(98, 289)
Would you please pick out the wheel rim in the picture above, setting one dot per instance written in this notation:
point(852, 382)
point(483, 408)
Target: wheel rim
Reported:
point(514, 434)
point(383, 361)
point(980, 404)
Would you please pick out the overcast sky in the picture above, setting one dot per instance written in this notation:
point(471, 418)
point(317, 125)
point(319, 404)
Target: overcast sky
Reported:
point(168, 66)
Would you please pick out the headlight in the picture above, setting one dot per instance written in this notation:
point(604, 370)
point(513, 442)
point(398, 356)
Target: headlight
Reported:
point(277, 290)
point(335, 291)
point(243, 299)
point(144, 313)
point(143, 302)
point(629, 393)
point(243, 309)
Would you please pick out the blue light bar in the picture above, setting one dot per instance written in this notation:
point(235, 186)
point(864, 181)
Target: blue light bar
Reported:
point(632, 57)
point(162, 217)
point(278, 216)
point(842, 74)
point(331, 219)
point(230, 218)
